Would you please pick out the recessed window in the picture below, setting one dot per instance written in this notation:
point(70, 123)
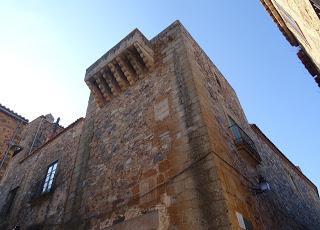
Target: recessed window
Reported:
point(16, 149)
point(243, 142)
point(48, 182)
point(235, 129)
point(9, 201)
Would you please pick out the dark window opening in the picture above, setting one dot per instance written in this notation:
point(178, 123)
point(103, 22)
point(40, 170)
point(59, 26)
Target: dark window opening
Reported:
point(16, 149)
point(44, 185)
point(247, 224)
point(9, 202)
point(48, 181)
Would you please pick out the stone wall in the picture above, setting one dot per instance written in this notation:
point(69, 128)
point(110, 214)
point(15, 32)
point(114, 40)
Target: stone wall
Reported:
point(292, 192)
point(146, 151)
point(294, 199)
point(30, 209)
point(308, 31)
point(10, 132)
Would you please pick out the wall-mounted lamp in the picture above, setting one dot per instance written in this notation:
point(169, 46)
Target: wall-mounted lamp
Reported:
point(263, 186)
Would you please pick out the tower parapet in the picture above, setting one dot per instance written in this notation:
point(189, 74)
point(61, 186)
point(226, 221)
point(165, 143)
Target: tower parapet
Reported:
point(120, 67)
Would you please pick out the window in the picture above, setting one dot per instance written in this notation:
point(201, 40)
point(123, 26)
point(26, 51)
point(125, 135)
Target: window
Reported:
point(16, 149)
point(235, 129)
point(243, 141)
point(240, 136)
point(48, 182)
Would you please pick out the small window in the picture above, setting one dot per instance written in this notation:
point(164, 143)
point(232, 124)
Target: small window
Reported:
point(235, 129)
point(16, 149)
point(244, 143)
point(48, 182)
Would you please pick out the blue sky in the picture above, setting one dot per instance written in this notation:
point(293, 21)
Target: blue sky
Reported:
point(46, 47)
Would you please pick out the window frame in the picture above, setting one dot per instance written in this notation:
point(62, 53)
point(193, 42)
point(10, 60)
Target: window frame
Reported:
point(51, 174)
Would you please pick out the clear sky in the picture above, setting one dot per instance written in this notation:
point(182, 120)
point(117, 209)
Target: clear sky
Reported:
point(46, 46)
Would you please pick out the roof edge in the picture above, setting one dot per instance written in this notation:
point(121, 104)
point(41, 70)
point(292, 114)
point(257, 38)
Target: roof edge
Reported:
point(273, 12)
point(54, 137)
point(134, 32)
point(13, 114)
point(258, 131)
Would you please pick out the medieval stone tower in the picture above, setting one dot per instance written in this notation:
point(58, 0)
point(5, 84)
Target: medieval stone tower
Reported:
point(165, 144)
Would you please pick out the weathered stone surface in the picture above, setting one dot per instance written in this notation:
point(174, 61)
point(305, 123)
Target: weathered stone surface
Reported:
point(160, 155)
point(299, 22)
point(47, 209)
point(11, 126)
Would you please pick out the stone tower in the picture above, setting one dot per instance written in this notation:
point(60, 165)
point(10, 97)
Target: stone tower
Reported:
point(172, 147)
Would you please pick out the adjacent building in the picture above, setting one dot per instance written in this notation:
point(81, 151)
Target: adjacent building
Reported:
point(299, 22)
point(164, 144)
point(11, 126)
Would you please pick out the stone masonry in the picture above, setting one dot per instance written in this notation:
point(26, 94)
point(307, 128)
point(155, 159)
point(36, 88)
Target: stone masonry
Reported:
point(11, 125)
point(165, 144)
point(299, 22)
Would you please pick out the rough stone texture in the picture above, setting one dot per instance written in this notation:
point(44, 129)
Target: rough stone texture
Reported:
point(286, 202)
point(299, 22)
point(160, 155)
point(26, 170)
point(11, 126)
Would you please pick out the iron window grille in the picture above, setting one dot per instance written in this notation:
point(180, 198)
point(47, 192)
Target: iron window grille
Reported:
point(241, 138)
